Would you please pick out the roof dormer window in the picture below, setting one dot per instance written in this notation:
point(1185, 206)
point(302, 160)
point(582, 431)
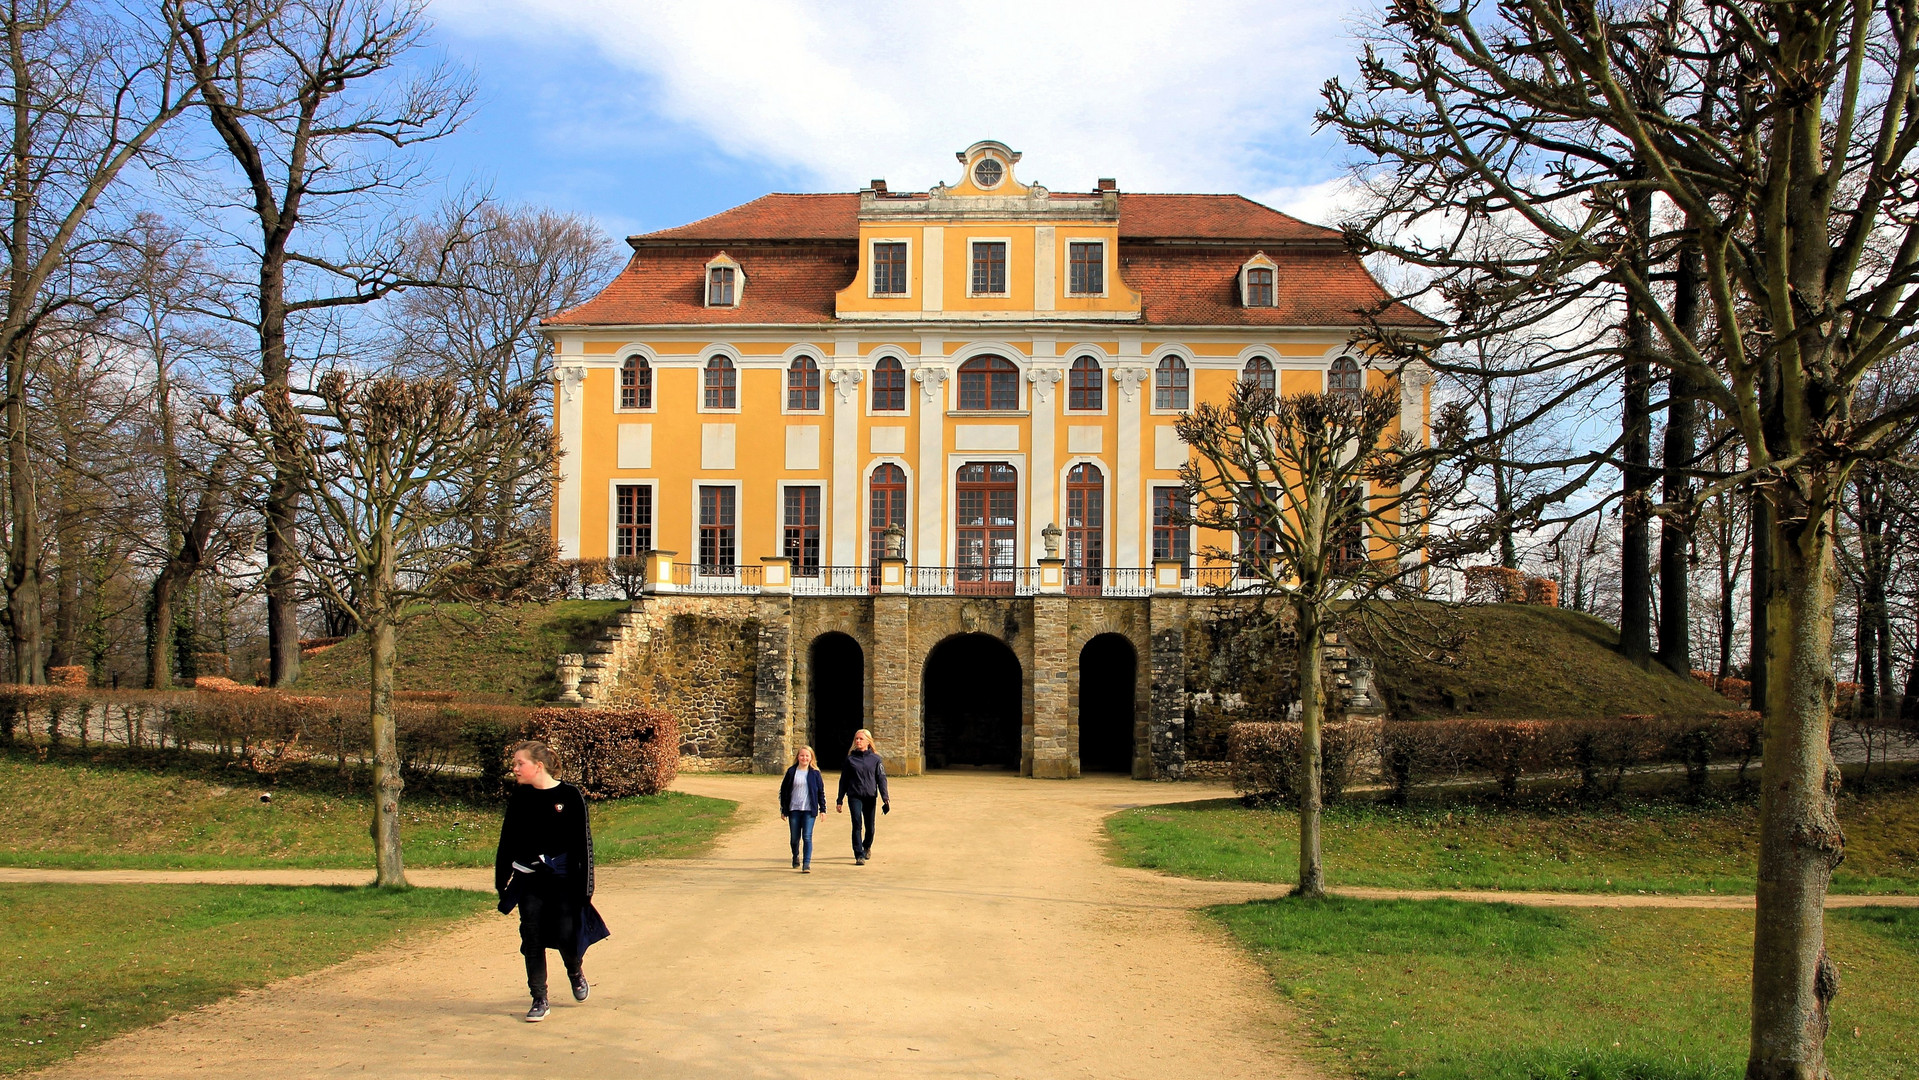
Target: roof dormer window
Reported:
point(724, 282)
point(1256, 286)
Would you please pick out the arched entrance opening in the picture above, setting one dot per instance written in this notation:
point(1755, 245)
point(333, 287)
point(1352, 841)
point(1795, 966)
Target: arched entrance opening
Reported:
point(972, 703)
point(1108, 667)
point(836, 698)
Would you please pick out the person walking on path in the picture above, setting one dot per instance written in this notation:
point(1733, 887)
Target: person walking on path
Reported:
point(863, 779)
point(544, 867)
point(802, 801)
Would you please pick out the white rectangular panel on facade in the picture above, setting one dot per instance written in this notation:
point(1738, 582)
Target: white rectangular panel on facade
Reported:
point(986, 437)
point(887, 440)
point(636, 446)
point(1085, 439)
point(716, 446)
point(1168, 451)
point(803, 447)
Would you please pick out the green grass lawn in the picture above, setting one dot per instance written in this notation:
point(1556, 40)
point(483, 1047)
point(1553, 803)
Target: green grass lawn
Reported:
point(87, 962)
point(80, 815)
point(1442, 990)
point(1654, 847)
point(509, 656)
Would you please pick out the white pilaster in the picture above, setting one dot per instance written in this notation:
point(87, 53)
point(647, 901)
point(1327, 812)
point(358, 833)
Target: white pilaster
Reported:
point(569, 389)
point(846, 377)
point(1045, 269)
point(1045, 376)
point(933, 268)
point(931, 374)
point(1133, 383)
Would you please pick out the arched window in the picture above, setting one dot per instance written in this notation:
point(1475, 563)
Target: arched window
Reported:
point(885, 505)
point(803, 385)
point(889, 386)
point(1085, 385)
point(636, 383)
point(1345, 379)
point(988, 384)
point(1259, 375)
point(722, 384)
point(986, 528)
point(1085, 528)
point(1170, 384)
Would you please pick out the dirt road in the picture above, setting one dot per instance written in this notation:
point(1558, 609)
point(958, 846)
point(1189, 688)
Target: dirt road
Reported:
point(988, 938)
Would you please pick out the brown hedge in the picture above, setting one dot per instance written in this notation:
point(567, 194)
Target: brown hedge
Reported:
point(611, 753)
point(1263, 758)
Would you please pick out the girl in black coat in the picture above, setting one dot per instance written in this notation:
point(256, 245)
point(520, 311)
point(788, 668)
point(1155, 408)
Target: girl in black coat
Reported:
point(544, 866)
point(802, 801)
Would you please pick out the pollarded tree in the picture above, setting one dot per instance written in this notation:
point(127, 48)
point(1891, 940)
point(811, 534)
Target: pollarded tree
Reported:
point(391, 464)
point(1780, 143)
point(1332, 505)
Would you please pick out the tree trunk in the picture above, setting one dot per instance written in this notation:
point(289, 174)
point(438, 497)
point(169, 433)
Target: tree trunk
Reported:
point(1759, 634)
point(1312, 706)
point(23, 549)
point(1800, 841)
point(1675, 531)
point(1727, 617)
point(283, 490)
point(386, 756)
point(173, 577)
point(1635, 520)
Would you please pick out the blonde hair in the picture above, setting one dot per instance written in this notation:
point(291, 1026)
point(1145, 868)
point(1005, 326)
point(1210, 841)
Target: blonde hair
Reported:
point(856, 741)
point(813, 759)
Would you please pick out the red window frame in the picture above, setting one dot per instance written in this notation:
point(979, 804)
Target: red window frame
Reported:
point(986, 527)
point(632, 520)
point(1172, 535)
point(722, 384)
point(720, 290)
point(1259, 287)
point(889, 267)
point(803, 385)
point(988, 383)
point(800, 532)
point(885, 505)
point(989, 268)
point(889, 385)
point(1086, 267)
point(1259, 373)
point(1085, 385)
point(1171, 384)
point(1085, 534)
point(1345, 380)
point(636, 383)
point(719, 543)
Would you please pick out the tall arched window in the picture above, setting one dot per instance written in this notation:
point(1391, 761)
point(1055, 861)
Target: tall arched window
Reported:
point(885, 505)
point(1170, 384)
point(988, 384)
point(1259, 375)
point(722, 384)
point(636, 383)
point(1085, 385)
point(1345, 379)
point(986, 526)
point(889, 385)
point(803, 385)
point(1085, 528)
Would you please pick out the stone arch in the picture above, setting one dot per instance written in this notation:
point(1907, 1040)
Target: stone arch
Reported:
point(835, 695)
point(973, 703)
point(1107, 672)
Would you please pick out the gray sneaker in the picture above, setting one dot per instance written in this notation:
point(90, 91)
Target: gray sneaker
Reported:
point(538, 1012)
point(580, 989)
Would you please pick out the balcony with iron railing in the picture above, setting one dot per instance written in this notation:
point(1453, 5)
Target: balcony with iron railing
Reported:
point(666, 575)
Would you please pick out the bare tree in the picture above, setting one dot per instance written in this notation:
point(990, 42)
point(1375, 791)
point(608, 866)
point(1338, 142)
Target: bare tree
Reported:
point(1783, 142)
point(1332, 505)
point(316, 108)
point(89, 88)
point(389, 461)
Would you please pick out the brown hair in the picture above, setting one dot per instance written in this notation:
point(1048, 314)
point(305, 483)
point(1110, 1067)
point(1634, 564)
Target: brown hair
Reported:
point(536, 750)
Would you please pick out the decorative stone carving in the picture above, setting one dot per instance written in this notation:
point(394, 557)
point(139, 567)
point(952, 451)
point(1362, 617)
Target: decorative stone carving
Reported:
point(572, 665)
point(1129, 379)
point(931, 378)
point(1049, 536)
point(847, 381)
point(570, 376)
point(1043, 380)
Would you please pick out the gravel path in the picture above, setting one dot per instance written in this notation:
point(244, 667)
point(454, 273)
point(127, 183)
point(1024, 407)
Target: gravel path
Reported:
point(988, 938)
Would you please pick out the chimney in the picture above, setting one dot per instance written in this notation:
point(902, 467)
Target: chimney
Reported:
point(1107, 183)
point(878, 186)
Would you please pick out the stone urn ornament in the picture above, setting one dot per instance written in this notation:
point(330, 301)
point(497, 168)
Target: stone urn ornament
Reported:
point(893, 541)
point(1049, 536)
point(571, 667)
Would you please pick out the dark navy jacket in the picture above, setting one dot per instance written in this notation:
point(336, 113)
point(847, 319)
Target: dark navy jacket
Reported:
point(815, 790)
point(863, 776)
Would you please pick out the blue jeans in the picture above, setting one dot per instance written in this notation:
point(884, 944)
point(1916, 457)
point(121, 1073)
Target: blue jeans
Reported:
point(799, 825)
point(866, 819)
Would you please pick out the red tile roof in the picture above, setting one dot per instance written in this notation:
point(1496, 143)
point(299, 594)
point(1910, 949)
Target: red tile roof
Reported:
point(1182, 252)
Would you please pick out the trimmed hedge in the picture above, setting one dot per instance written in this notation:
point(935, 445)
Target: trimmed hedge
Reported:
point(1263, 758)
point(611, 753)
point(1599, 751)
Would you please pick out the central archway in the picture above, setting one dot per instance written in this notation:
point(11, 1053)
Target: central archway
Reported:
point(836, 698)
point(1108, 666)
point(973, 700)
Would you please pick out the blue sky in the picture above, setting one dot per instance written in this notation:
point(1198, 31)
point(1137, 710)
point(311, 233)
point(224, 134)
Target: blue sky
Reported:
point(648, 115)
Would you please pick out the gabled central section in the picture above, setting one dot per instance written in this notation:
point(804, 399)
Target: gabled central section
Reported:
point(988, 247)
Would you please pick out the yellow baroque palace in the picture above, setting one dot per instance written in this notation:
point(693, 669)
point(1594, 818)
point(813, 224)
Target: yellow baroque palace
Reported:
point(979, 374)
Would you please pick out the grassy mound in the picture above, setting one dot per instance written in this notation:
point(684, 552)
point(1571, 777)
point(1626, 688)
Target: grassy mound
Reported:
point(1525, 661)
point(508, 656)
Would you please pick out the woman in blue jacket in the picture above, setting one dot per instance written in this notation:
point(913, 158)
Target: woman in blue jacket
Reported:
point(802, 801)
point(863, 779)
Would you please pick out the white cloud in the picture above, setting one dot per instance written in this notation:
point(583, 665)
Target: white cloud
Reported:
point(1165, 97)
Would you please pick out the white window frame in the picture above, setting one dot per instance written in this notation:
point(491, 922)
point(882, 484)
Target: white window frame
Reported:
point(1262, 262)
point(619, 373)
point(866, 504)
point(706, 280)
point(872, 261)
point(739, 382)
point(1107, 386)
point(1105, 269)
point(868, 384)
point(971, 243)
point(1152, 381)
point(786, 370)
point(739, 523)
point(613, 487)
point(779, 517)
